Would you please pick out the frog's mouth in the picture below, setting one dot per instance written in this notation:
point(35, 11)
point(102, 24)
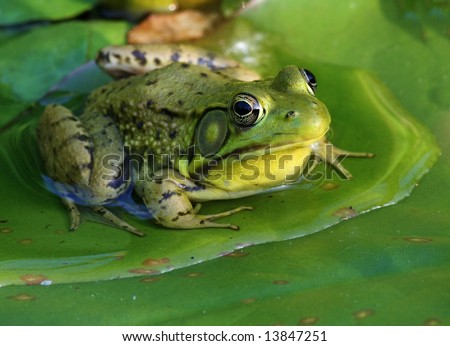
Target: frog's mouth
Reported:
point(261, 150)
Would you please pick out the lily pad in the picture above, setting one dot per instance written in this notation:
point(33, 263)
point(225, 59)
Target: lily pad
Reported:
point(10, 105)
point(367, 118)
point(57, 50)
point(13, 12)
point(385, 267)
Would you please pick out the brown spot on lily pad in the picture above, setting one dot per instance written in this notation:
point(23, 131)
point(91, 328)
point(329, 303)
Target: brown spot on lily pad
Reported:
point(432, 322)
point(308, 321)
point(155, 261)
point(148, 280)
point(237, 254)
point(280, 282)
point(25, 241)
point(32, 279)
point(361, 314)
point(248, 300)
point(144, 271)
point(417, 240)
point(5, 230)
point(330, 186)
point(345, 213)
point(22, 297)
point(194, 275)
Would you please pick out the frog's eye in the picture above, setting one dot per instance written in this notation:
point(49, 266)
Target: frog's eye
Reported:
point(246, 110)
point(309, 78)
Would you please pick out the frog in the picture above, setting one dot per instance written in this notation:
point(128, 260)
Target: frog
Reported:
point(180, 126)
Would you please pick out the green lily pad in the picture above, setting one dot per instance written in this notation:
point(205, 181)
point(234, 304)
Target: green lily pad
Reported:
point(57, 50)
point(18, 11)
point(366, 118)
point(386, 267)
point(10, 105)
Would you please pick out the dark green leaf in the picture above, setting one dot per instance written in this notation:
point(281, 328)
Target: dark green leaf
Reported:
point(10, 106)
point(33, 62)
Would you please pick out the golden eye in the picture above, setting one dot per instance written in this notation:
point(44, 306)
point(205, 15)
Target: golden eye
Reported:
point(246, 110)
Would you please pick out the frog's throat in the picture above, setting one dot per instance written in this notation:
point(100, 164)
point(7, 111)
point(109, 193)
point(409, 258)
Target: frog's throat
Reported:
point(264, 150)
point(299, 150)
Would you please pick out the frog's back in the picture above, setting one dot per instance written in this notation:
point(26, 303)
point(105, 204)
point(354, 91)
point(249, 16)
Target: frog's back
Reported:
point(156, 112)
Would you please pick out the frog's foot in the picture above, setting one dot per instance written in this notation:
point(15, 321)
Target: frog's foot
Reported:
point(107, 215)
point(178, 213)
point(341, 152)
point(74, 213)
point(332, 154)
point(169, 200)
point(74, 152)
point(204, 221)
point(102, 211)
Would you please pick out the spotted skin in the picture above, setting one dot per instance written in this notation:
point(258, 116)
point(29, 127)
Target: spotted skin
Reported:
point(123, 61)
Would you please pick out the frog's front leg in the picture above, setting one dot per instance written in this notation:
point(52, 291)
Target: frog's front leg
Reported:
point(168, 195)
point(331, 154)
point(84, 159)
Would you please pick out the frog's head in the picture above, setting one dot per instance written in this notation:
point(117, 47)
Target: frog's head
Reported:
point(279, 113)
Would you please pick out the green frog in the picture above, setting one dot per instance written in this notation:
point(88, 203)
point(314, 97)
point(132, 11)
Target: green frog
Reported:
point(181, 126)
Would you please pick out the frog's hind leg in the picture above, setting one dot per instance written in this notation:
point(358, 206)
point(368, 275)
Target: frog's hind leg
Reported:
point(84, 158)
point(169, 201)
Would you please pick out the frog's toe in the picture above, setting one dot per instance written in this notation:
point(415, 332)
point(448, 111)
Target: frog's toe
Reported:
point(205, 223)
point(192, 221)
point(189, 220)
point(341, 152)
point(208, 218)
point(226, 213)
point(107, 215)
point(75, 218)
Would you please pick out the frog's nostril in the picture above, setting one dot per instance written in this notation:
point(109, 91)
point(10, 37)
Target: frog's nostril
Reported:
point(291, 114)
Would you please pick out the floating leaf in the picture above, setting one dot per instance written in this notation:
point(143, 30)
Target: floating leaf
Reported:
point(386, 267)
point(366, 118)
point(10, 106)
point(18, 11)
point(35, 61)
